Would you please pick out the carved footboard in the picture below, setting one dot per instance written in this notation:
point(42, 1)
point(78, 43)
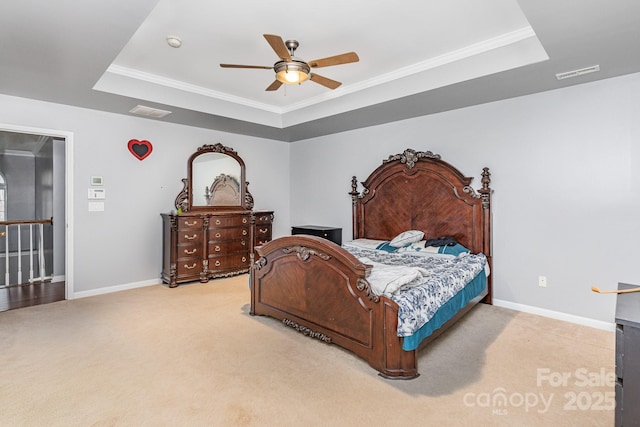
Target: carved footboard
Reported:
point(319, 289)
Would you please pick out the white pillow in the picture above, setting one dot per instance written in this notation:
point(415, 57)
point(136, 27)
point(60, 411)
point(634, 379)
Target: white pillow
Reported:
point(406, 237)
point(365, 243)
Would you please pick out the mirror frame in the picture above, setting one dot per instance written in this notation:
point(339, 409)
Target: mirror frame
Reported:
point(184, 201)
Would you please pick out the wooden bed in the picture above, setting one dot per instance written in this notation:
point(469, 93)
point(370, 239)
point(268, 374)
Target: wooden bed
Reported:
point(321, 290)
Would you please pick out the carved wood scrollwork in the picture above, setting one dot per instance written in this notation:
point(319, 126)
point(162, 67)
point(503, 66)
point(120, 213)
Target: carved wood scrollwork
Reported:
point(363, 286)
point(182, 199)
point(248, 198)
point(307, 331)
point(217, 148)
point(485, 191)
point(304, 253)
point(410, 157)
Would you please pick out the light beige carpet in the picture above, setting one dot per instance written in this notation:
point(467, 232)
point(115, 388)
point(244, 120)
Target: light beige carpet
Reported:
point(193, 356)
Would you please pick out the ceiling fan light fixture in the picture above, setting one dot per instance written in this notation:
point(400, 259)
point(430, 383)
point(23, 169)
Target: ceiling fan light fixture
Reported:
point(292, 72)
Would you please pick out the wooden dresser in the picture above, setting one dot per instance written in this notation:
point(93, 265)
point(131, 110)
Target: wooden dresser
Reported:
point(215, 230)
point(203, 246)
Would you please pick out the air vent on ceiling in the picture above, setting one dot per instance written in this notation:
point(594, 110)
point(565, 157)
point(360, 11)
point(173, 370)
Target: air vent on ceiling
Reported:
point(149, 112)
point(576, 73)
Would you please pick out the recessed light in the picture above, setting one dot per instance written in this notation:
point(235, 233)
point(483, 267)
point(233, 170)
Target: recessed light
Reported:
point(174, 41)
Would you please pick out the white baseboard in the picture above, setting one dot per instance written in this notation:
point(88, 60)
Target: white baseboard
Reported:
point(117, 288)
point(585, 321)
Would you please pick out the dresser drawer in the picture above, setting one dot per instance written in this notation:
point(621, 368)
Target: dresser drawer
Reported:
point(190, 236)
point(227, 246)
point(229, 261)
point(185, 222)
point(264, 218)
point(221, 234)
point(263, 233)
point(189, 251)
point(229, 221)
point(189, 267)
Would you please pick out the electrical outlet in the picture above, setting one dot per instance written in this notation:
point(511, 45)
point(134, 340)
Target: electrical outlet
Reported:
point(542, 281)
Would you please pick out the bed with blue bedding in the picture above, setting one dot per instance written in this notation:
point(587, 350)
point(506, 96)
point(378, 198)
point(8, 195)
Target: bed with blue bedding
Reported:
point(419, 259)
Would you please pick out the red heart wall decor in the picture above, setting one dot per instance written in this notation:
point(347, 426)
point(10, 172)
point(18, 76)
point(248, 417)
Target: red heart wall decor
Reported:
point(140, 149)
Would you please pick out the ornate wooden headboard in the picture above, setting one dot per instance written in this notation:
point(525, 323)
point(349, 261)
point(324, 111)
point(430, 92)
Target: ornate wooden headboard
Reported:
point(417, 190)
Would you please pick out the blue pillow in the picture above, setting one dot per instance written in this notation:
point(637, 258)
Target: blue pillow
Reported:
point(386, 246)
point(456, 249)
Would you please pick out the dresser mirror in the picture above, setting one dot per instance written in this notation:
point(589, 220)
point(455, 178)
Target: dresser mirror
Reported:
point(216, 180)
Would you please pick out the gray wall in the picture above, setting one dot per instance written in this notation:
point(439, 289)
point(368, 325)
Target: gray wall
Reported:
point(566, 177)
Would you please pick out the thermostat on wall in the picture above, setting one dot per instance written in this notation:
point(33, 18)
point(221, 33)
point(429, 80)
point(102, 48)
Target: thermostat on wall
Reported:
point(97, 193)
point(96, 180)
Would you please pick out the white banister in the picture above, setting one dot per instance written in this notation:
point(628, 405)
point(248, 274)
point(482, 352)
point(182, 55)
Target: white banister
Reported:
point(20, 257)
point(6, 252)
point(31, 253)
point(36, 240)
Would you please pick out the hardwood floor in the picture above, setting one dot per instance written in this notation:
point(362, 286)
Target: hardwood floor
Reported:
point(18, 296)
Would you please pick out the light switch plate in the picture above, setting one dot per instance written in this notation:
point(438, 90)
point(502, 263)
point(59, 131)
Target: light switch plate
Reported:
point(97, 193)
point(96, 206)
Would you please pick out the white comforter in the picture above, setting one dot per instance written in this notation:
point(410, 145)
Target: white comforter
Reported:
point(387, 279)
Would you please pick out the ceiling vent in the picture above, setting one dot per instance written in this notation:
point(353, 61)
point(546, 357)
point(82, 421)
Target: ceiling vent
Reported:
point(149, 112)
point(576, 73)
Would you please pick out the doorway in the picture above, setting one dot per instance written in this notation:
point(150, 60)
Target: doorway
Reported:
point(52, 150)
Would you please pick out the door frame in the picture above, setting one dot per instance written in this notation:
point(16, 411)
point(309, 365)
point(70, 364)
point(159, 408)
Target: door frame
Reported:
point(68, 194)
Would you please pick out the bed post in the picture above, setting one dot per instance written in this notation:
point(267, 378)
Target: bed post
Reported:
point(485, 194)
point(354, 207)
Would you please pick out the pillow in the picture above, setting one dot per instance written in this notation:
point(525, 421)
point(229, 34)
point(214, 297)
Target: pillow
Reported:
point(420, 247)
point(416, 247)
point(386, 246)
point(406, 237)
point(456, 249)
point(366, 243)
point(381, 245)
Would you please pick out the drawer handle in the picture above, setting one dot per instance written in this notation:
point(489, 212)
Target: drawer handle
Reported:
point(188, 252)
point(243, 243)
point(217, 234)
point(264, 218)
point(190, 224)
point(186, 236)
point(244, 220)
point(217, 263)
point(244, 232)
point(190, 267)
point(244, 259)
point(263, 231)
point(217, 249)
point(218, 222)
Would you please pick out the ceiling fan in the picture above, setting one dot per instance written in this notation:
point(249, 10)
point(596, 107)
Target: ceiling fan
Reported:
point(292, 70)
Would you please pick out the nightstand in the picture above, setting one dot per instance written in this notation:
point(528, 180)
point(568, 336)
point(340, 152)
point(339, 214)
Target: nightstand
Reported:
point(329, 233)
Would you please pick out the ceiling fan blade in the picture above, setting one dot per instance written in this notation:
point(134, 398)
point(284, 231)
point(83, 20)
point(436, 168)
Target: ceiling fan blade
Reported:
point(331, 84)
point(278, 46)
point(246, 66)
point(274, 86)
point(345, 58)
